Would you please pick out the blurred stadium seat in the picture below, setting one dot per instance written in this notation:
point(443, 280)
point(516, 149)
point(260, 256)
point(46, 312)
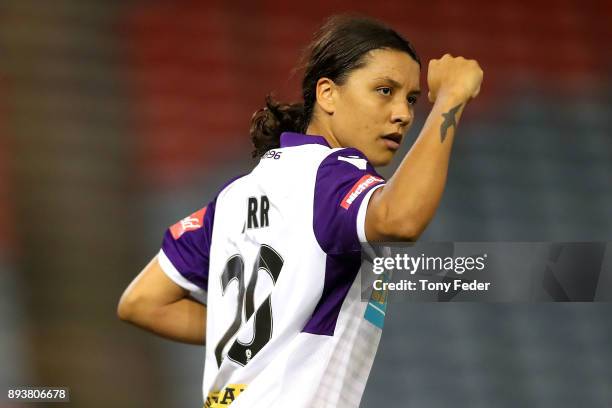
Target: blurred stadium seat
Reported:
point(116, 119)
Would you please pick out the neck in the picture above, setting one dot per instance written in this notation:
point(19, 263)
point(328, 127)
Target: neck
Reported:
point(316, 129)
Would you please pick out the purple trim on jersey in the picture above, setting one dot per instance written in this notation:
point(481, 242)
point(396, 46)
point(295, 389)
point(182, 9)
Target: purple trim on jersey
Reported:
point(340, 272)
point(190, 254)
point(335, 229)
point(290, 139)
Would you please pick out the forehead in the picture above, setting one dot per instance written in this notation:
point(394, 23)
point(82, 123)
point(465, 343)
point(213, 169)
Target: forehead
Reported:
point(383, 63)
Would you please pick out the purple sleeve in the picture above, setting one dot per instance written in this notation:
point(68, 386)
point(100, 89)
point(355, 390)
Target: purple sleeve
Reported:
point(185, 252)
point(186, 245)
point(343, 180)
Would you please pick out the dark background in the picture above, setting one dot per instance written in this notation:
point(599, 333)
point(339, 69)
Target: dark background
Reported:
point(117, 118)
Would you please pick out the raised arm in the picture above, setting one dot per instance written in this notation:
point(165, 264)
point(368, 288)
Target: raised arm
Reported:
point(402, 209)
point(155, 303)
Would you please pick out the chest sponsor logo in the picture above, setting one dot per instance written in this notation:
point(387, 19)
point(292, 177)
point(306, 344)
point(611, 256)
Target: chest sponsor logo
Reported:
point(225, 397)
point(190, 223)
point(363, 184)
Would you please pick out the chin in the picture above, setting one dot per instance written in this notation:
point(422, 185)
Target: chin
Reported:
point(381, 159)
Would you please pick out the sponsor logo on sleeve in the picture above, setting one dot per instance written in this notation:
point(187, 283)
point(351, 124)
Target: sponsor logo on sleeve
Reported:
point(190, 223)
point(362, 185)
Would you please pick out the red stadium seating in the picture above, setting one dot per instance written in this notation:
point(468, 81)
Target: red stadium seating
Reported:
point(200, 69)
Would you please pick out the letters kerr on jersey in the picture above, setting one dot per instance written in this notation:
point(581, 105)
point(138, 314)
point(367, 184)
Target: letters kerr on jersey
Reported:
point(358, 188)
point(189, 223)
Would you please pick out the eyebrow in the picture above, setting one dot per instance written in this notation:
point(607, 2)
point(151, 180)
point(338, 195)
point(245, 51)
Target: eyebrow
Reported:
point(396, 84)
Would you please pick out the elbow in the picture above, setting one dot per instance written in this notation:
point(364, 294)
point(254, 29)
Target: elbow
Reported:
point(124, 310)
point(128, 307)
point(405, 230)
point(411, 228)
point(401, 227)
point(137, 308)
point(394, 223)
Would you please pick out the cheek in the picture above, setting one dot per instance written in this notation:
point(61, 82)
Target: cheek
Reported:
point(348, 116)
point(356, 127)
point(359, 114)
point(357, 119)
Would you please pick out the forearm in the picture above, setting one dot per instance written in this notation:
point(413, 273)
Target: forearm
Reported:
point(183, 320)
point(412, 195)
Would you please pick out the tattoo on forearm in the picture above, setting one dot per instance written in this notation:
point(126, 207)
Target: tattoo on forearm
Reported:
point(449, 121)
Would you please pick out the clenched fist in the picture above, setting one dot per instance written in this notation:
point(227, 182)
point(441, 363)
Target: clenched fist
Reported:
point(454, 76)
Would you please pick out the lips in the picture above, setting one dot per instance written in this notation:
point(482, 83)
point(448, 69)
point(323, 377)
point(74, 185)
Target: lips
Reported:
point(393, 140)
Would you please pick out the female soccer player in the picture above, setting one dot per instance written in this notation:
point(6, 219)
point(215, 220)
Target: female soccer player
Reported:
point(277, 251)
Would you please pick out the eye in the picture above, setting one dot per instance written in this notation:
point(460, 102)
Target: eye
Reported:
point(412, 100)
point(384, 90)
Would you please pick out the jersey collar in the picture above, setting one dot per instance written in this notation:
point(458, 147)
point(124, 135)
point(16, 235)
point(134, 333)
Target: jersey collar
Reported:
point(289, 139)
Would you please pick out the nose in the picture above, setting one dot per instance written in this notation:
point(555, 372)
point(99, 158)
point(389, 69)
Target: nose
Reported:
point(401, 115)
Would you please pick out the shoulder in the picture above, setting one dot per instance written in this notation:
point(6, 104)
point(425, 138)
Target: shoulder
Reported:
point(347, 160)
point(345, 180)
point(227, 185)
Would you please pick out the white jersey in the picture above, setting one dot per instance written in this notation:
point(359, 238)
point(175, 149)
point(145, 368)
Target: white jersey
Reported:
point(278, 253)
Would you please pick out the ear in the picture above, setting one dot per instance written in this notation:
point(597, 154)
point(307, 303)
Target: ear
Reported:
point(325, 92)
